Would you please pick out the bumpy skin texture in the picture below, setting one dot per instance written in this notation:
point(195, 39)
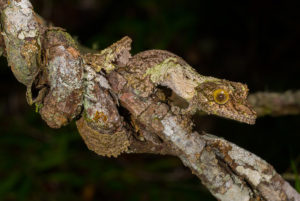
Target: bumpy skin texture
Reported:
point(100, 123)
point(143, 73)
point(116, 55)
point(146, 70)
point(101, 143)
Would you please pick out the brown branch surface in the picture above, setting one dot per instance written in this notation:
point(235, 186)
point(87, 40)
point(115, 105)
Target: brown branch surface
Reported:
point(276, 104)
point(119, 110)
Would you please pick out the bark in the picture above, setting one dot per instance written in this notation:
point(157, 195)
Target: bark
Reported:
point(276, 104)
point(93, 89)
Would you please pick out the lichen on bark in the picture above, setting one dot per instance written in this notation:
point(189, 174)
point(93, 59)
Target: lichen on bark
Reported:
point(64, 72)
point(21, 33)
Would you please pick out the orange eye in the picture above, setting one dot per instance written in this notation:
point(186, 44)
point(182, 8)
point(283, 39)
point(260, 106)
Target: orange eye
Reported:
point(221, 96)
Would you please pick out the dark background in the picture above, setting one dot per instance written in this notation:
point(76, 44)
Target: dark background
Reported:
point(253, 42)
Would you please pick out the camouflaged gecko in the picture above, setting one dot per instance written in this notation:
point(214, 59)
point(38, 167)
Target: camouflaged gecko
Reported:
point(148, 69)
point(220, 97)
point(101, 125)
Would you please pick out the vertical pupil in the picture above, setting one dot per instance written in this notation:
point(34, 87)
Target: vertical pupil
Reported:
point(221, 96)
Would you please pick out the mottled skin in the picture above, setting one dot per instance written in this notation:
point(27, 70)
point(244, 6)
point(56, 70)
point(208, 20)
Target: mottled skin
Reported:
point(236, 108)
point(149, 69)
point(137, 81)
point(116, 55)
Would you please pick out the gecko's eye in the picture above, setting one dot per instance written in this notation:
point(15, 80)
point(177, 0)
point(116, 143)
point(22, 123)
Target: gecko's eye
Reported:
point(221, 96)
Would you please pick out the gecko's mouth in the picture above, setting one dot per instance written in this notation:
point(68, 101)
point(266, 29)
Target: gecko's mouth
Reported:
point(234, 115)
point(245, 118)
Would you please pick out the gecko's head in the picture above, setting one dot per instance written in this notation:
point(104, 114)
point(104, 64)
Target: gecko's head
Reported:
point(226, 99)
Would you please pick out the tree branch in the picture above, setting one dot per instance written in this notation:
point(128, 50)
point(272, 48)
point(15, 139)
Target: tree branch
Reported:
point(117, 111)
point(276, 104)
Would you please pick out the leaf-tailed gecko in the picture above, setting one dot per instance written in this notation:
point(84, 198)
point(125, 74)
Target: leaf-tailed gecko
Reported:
point(148, 69)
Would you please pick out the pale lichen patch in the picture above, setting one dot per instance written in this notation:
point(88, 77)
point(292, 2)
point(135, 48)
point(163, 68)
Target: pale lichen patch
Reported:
point(234, 194)
point(103, 82)
point(24, 4)
point(20, 20)
point(19, 23)
point(65, 78)
point(181, 139)
point(247, 159)
point(67, 68)
point(158, 72)
point(254, 177)
point(181, 79)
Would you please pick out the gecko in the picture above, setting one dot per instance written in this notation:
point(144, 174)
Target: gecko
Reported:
point(148, 70)
point(220, 97)
point(142, 75)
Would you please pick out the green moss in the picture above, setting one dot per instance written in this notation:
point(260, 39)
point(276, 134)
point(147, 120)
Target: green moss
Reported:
point(38, 106)
point(109, 57)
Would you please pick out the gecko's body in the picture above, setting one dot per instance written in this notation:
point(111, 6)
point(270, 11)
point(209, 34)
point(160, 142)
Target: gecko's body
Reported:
point(211, 95)
point(135, 85)
point(148, 69)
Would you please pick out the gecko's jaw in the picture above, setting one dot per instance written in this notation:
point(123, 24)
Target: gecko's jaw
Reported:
point(249, 119)
point(243, 117)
